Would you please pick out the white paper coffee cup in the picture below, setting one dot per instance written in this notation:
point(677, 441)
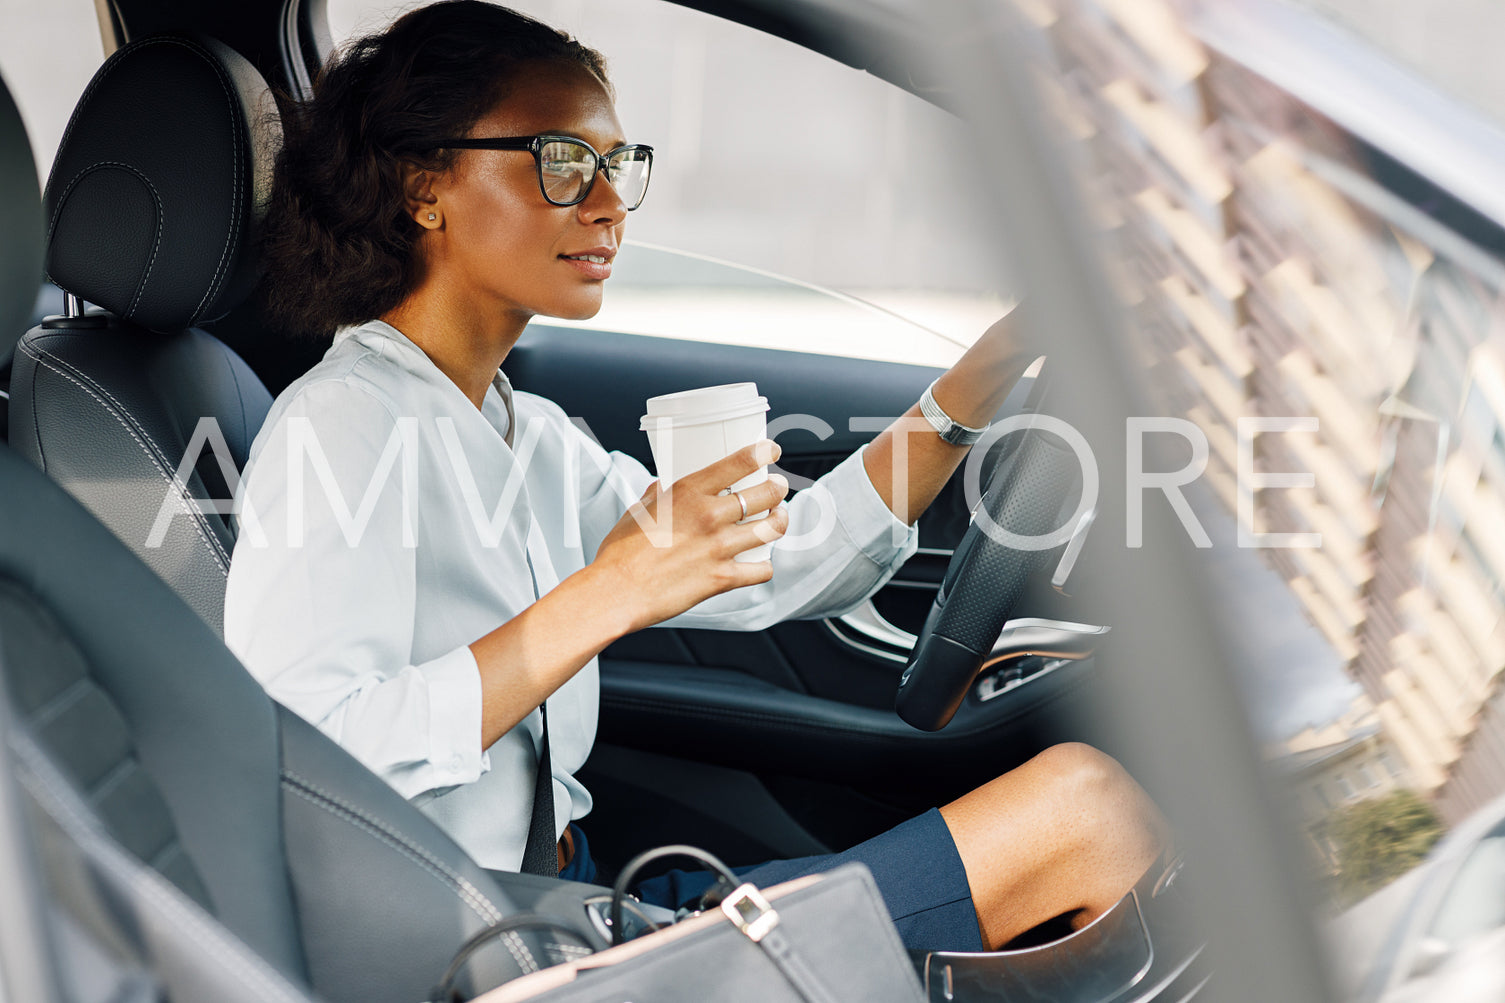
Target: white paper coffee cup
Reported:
point(692, 429)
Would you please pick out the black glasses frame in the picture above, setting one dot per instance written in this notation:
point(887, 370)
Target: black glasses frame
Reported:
point(535, 145)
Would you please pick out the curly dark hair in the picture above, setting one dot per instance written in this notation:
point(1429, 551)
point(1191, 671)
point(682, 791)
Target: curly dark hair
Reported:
point(338, 244)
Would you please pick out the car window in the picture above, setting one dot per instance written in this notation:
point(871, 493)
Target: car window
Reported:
point(1300, 211)
point(48, 65)
point(1452, 43)
point(778, 173)
point(1475, 904)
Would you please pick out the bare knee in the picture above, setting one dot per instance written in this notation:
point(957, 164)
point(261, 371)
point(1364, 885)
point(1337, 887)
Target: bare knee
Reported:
point(1098, 799)
point(1080, 774)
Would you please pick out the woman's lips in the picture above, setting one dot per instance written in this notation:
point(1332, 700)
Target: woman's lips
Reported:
point(592, 266)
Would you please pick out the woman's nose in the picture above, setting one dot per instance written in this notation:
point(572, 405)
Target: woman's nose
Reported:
point(603, 204)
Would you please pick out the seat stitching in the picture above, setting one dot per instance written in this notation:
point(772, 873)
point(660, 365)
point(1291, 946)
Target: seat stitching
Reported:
point(361, 822)
point(169, 853)
point(107, 854)
point(41, 357)
point(99, 78)
point(519, 951)
point(485, 905)
point(240, 399)
point(231, 103)
point(156, 198)
point(568, 951)
point(36, 428)
point(122, 415)
point(107, 784)
point(467, 892)
point(110, 66)
point(153, 886)
point(61, 701)
point(490, 912)
point(449, 872)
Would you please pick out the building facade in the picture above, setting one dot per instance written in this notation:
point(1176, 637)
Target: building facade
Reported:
point(1279, 265)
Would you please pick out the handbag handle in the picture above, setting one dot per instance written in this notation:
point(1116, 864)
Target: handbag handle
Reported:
point(726, 881)
point(446, 992)
point(743, 905)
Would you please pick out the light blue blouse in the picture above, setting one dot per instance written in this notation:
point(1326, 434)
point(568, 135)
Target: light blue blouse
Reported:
point(386, 523)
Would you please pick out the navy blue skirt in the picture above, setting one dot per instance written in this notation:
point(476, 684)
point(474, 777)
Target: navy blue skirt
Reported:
point(915, 865)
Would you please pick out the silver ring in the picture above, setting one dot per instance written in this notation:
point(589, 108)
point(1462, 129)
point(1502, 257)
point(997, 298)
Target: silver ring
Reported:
point(740, 501)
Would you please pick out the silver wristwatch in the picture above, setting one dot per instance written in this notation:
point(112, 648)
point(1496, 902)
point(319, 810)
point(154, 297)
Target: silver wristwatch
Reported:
point(950, 431)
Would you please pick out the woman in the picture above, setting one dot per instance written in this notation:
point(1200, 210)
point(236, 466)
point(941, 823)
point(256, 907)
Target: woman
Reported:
point(462, 553)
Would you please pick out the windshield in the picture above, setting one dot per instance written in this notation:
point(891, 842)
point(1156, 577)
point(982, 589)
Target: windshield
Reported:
point(675, 294)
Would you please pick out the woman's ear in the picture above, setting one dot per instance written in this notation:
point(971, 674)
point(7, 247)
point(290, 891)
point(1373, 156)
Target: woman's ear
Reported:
point(418, 191)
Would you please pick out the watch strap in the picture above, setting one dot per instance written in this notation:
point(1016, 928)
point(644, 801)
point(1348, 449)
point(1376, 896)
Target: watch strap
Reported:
point(945, 426)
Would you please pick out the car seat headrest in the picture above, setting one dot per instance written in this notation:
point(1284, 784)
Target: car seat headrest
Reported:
point(160, 183)
point(20, 226)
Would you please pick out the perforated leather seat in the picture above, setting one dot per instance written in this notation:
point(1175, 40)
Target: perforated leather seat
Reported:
point(152, 210)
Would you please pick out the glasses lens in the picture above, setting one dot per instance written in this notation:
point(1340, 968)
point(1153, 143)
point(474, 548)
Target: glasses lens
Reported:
point(565, 169)
point(628, 172)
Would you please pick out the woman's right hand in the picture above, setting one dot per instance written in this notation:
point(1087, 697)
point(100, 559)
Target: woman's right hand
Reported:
point(675, 548)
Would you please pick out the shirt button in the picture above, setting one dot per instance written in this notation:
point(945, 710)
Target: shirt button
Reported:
point(455, 762)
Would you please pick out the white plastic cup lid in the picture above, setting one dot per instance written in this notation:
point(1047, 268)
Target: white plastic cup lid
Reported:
point(704, 405)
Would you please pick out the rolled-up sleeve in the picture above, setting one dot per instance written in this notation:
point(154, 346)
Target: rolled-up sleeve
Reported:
point(322, 592)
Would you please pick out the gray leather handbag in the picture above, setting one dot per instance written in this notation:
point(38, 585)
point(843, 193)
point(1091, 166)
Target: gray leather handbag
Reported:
point(824, 938)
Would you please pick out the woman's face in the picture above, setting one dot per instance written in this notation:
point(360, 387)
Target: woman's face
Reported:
point(497, 241)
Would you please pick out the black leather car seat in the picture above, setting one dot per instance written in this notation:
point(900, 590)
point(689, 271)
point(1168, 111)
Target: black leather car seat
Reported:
point(20, 226)
point(152, 210)
point(182, 812)
point(106, 919)
point(303, 853)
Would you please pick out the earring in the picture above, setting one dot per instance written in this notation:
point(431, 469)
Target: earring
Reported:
point(431, 216)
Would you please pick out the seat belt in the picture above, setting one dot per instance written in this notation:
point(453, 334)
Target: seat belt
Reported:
point(541, 851)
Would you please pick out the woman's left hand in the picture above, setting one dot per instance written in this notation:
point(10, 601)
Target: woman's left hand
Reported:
point(975, 387)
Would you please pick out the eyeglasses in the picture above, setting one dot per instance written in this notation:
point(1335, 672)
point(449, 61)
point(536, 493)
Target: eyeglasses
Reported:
point(567, 167)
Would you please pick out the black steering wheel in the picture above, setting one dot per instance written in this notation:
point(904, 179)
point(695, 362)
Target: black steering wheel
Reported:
point(1032, 507)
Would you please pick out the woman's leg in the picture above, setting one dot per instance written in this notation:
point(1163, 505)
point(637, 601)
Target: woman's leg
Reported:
point(1068, 832)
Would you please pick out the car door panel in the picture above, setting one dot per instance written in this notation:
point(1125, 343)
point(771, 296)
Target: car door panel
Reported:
point(605, 378)
point(736, 720)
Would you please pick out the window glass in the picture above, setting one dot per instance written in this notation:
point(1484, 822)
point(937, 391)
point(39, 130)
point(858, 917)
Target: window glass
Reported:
point(772, 161)
point(1454, 43)
point(48, 52)
point(1475, 903)
point(1294, 244)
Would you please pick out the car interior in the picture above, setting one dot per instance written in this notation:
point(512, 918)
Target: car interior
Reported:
point(193, 839)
